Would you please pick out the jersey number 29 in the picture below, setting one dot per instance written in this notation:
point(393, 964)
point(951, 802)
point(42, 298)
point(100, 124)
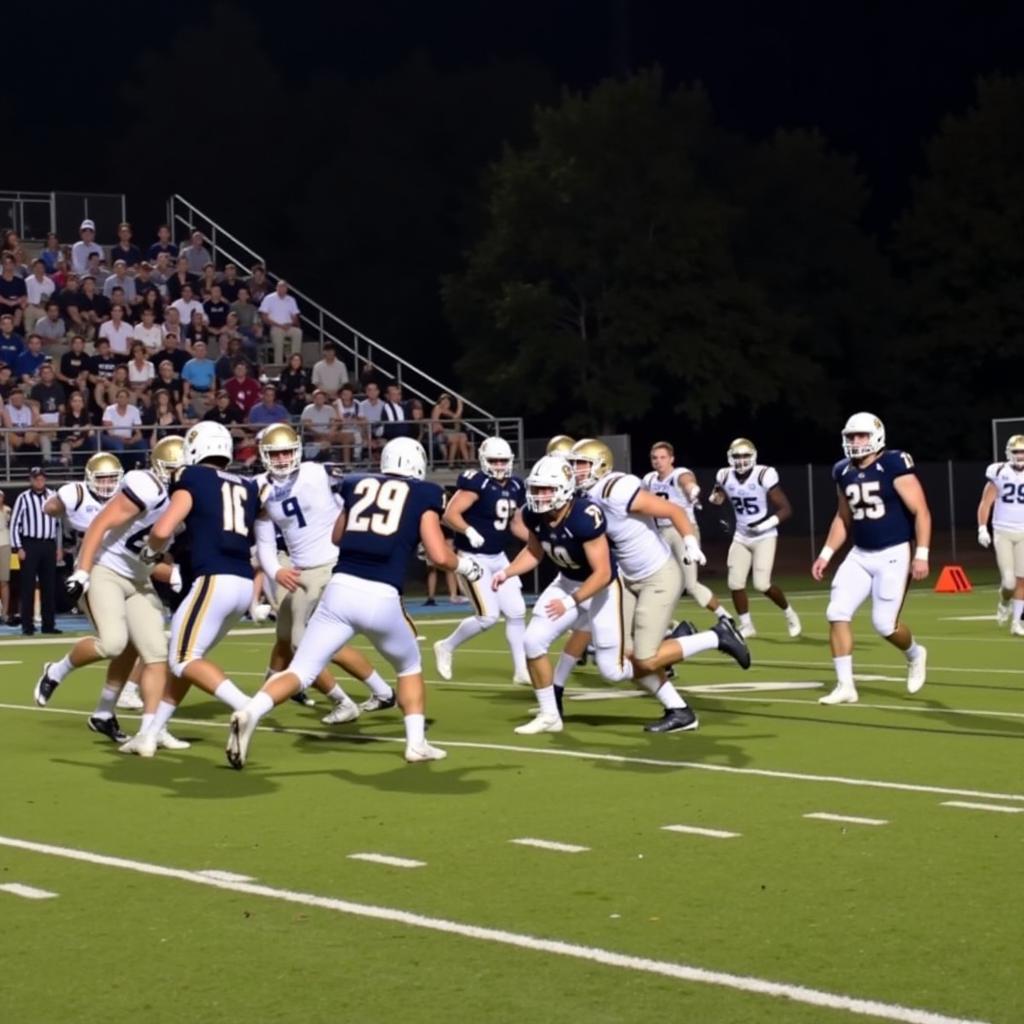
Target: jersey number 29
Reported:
point(379, 508)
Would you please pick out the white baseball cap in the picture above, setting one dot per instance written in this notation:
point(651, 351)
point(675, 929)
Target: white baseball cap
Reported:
point(87, 224)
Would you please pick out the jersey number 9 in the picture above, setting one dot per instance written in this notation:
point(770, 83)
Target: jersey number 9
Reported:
point(865, 501)
point(379, 508)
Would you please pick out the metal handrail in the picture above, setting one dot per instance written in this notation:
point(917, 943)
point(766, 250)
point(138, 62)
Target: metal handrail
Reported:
point(18, 199)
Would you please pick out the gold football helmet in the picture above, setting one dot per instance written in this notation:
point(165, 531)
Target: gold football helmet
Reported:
point(168, 457)
point(742, 455)
point(280, 450)
point(596, 459)
point(103, 473)
point(1015, 451)
point(560, 444)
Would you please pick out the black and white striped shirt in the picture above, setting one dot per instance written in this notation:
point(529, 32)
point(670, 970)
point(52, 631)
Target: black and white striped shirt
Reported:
point(28, 519)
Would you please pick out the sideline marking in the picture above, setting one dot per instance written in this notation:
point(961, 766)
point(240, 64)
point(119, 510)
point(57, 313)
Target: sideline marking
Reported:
point(592, 954)
point(547, 844)
point(982, 807)
point(713, 833)
point(583, 755)
point(825, 816)
point(224, 876)
point(383, 858)
point(27, 891)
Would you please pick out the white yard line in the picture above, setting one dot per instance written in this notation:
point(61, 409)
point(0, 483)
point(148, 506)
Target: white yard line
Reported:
point(224, 876)
point(553, 947)
point(581, 755)
point(27, 891)
point(982, 807)
point(383, 858)
point(712, 833)
point(548, 844)
point(825, 816)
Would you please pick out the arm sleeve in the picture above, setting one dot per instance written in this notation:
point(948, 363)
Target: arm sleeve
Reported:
point(266, 547)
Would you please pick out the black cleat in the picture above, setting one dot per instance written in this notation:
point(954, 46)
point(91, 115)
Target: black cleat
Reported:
point(45, 686)
point(683, 629)
point(375, 703)
point(108, 727)
point(674, 720)
point(52, 631)
point(303, 699)
point(670, 673)
point(730, 642)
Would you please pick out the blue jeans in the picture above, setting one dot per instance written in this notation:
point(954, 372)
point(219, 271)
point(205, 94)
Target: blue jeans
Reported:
point(120, 446)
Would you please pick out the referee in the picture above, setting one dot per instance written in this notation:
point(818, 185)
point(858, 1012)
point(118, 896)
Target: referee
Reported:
point(35, 537)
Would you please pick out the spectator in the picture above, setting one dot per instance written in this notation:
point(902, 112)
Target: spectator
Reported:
point(249, 322)
point(117, 299)
point(7, 383)
point(225, 366)
point(448, 420)
point(84, 248)
point(125, 250)
point(162, 416)
point(216, 309)
point(9, 240)
point(433, 442)
point(13, 293)
point(153, 300)
point(163, 271)
point(171, 353)
point(227, 414)
point(207, 279)
point(351, 426)
point(163, 245)
point(5, 563)
point(94, 268)
point(167, 380)
point(197, 331)
point(48, 398)
point(22, 426)
point(77, 436)
point(294, 386)
point(173, 324)
point(74, 366)
point(51, 253)
point(371, 410)
point(121, 423)
point(61, 274)
point(181, 277)
point(51, 328)
point(371, 375)
point(230, 283)
point(330, 373)
point(199, 377)
point(243, 390)
point(68, 298)
point(26, 369)
point(120, 279)
point(280, 313)
point(101, 372)
point(144, 283)
point(269, 410)
point(141, 373)
point(118, 332)
point(11, 343)
point(91, 305)
point(257, 284)
point(187, 304)
point(318, 427)
point(393, 415)
point(148, 331)
point(231, 331)
point(38, 290)
point(196, 254)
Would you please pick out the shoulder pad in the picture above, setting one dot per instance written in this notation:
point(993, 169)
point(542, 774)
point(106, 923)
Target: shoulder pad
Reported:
point(840, 468)
point(721, 476)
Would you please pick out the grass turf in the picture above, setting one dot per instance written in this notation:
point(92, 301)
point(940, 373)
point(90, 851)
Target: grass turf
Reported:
point(925, 911)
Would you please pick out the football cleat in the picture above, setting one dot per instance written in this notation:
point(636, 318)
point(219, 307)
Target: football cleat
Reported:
point(303, 699)
point(674, 720)
point(166, 741)
point(443, 657)
point(684, 628)
point(540, 723)
point(1017, 629)
point(842, 694)
point(107, 725)
point(793, 623)
point(916, 670)
point(344, 711)
point(142, 743)
point(375, 703)
point(731, 642)
point(44, 686)
point(129, 699)
point(424, 752)
point(240, 733)
point(748, 631)
point(1003, 612)
point(521, 679)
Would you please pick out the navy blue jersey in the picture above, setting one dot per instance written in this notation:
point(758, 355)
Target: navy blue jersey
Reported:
point(880, 519)
point(382, 524)
point(563, 543)
point(493, 510)
point(218, 529)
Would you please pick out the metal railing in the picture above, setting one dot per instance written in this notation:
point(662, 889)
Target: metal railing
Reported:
point(34, 214)
point(326, 326)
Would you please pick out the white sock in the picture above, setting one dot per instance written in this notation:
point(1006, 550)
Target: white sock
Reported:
point(515, 631)
point(566, 663)
point(912, 651)
point(338, 695)
point(108, 698)
point(415, 730)
point(745, 619)
point(466, 630)
point(147, 721)
point(721, 612)
point(260, 705)
point(546, 699)
point(59, 669)
point(231, 695)
point(378, 687)
point(669, 697)
point(788, 611)
point(1018, 609)
point(162, 716)
point(697, 643)
point(844, 669)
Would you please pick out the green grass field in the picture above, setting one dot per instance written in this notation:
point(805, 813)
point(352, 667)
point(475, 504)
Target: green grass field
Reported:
point(918, 917)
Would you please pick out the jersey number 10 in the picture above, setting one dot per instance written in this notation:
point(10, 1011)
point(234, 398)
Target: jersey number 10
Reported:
point(233, 503)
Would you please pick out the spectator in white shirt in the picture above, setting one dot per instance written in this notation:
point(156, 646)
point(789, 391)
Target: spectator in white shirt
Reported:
point(38, 289)
point(330, 374)
point(118, 332)
point(371, 410)
point(121, 423)
point(81, 250)
point(318, 423)
point(149, 332)
point(197, 254)
point(187, 305)
point(120, 279)
point(280, 313)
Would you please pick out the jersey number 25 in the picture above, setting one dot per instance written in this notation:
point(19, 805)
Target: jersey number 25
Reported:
point(865, 501)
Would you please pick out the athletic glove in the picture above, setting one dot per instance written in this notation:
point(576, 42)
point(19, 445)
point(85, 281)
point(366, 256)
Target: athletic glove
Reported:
point(175, 581)
point(984, 537)
point(474, 538)
point(693, 553)
point(77, 584)
point(147, 556)
point(469, 568)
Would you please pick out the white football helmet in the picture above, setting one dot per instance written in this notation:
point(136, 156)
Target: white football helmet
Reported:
point(103, 474)
point(863, 423)
point(496, 449)
point(275, 439)
point(403, 456)
point(1015, 451)
point(208, 440)
point(742, 455)
point(553, 475)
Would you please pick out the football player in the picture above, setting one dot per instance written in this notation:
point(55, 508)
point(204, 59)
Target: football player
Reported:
point(482, 512)
point(1003, 498)
point(679, 486)
point(760, 505)
point(217, 510)
point(882, 504)
point(111, 576)
point(302, 504)
point(385, 516)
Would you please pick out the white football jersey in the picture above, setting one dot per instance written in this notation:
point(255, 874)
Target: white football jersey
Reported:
point(639, 548)
point(304, 508)
point(81, 506)
point(749, 498)
point(1008, 510)
point(119, 549)
point(671, 489)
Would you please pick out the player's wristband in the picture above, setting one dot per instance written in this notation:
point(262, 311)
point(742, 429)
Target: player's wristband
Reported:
point(826, 554)
point(921, 555)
